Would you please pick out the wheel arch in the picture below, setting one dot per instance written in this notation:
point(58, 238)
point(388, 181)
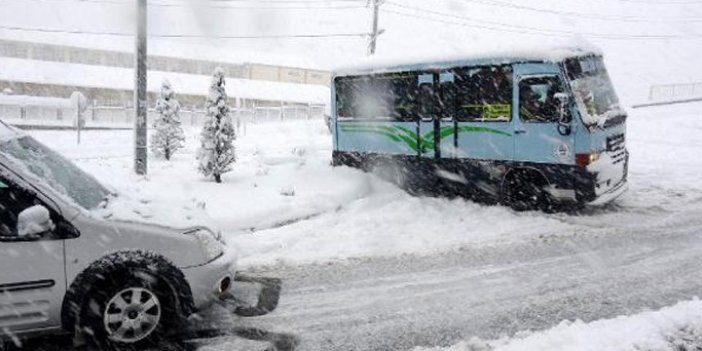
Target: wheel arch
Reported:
point(120, 263)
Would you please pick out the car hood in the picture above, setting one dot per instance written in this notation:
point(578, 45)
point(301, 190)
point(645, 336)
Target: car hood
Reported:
point(125, 209)
point(107, 236)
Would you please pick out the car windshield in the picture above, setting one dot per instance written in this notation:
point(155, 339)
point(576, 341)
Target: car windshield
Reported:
point(593, 90)
point(59, 173)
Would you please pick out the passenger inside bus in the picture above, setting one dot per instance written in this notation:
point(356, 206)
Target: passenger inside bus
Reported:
point(537, 100)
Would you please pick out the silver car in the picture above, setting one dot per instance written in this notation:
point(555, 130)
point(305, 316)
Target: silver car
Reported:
point(65, 269)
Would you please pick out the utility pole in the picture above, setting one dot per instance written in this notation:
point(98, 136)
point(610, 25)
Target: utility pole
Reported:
point(140, 103)
point(375, 33)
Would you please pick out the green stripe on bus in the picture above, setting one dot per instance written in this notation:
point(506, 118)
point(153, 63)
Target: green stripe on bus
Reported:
point(409, 137)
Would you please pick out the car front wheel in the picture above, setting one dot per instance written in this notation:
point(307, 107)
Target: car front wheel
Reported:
point(129, 313)
point(132, 315)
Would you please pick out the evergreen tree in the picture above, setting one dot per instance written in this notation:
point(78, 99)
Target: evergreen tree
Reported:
point(169, 136)
point(216, 152)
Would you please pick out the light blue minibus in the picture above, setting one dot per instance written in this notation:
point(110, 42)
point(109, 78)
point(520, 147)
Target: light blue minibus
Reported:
point(528, 130)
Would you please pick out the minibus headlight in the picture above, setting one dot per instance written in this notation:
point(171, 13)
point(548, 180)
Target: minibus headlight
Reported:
point(583, 160)
point(209, 243)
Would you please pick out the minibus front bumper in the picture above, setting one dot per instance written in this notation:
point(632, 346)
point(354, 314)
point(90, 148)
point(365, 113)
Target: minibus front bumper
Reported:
point(611, 194)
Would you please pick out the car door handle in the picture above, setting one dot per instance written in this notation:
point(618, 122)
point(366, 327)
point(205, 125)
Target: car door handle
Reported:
point(519, 131)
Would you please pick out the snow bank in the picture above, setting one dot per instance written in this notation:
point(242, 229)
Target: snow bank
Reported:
point(671, 329)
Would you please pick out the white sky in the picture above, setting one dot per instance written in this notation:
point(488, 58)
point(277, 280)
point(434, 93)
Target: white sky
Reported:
point(412, 26)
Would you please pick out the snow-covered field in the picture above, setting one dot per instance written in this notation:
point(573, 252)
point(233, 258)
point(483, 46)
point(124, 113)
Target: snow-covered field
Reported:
point(284, 202)
point(674, 328)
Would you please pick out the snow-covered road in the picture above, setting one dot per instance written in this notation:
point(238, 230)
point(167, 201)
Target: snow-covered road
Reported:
point(401, 302)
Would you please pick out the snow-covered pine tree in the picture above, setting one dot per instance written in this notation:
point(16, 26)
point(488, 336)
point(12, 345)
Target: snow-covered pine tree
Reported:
point(169, 136)
point(216, 152)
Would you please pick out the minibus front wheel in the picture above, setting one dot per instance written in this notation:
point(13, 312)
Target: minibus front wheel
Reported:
point(523, 190)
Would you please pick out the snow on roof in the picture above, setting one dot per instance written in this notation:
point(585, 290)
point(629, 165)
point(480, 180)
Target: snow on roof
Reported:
point(192, 51)
point(24, 100)
point(89, 76)
point(390, 63)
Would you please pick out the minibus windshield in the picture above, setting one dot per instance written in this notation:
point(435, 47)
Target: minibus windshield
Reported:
point(59, 173)
point(593, 90)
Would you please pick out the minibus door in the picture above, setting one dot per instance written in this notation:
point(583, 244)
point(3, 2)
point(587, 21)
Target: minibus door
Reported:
point(436, 131)
point(541, 136)
point(428, 113)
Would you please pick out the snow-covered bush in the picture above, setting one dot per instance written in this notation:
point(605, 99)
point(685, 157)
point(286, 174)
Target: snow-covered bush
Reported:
point(216, 152)
point(169, 136)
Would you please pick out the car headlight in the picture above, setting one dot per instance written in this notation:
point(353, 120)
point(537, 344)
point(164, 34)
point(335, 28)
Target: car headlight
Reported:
point(209, 242)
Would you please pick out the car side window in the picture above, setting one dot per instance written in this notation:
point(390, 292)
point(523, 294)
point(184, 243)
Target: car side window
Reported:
point(14, 200)
point(537, 102)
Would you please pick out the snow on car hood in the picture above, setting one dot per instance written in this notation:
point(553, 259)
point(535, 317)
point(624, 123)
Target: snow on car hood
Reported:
point(128, 209)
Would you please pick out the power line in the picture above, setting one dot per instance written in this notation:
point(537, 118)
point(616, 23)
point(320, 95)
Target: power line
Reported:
point(665, 2)
point(503, 27)
point(201, 36)
point(222, 4)
point(599, 17)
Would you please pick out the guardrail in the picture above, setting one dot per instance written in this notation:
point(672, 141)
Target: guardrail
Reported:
point(670, 94)
point(673, 92)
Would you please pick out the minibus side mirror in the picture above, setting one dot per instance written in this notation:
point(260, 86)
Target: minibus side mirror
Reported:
point(564, 127)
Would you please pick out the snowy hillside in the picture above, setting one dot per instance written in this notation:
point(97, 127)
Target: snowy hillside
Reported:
point(645, 42)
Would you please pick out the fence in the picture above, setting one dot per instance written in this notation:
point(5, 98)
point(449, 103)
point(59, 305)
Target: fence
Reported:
point(123, 117)
point(674, 92)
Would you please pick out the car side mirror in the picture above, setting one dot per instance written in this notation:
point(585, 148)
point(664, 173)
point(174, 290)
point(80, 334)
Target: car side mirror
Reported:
point(564, 127)
point(34, 220)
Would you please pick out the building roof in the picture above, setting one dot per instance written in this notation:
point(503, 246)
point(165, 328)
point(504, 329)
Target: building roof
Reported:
point(24, 100)
point(191, 51)
point(89, 76)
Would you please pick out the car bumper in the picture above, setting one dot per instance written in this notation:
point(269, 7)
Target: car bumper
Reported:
point(208, 282)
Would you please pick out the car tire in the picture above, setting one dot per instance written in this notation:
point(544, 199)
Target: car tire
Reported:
point(130, 312)
point(92, 298)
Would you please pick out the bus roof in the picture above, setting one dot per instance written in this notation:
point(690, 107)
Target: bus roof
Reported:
point(389, 64)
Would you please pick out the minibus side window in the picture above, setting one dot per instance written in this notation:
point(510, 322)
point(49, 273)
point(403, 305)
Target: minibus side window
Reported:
point(481, 94)
point(385, 96)
point(537, 102)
